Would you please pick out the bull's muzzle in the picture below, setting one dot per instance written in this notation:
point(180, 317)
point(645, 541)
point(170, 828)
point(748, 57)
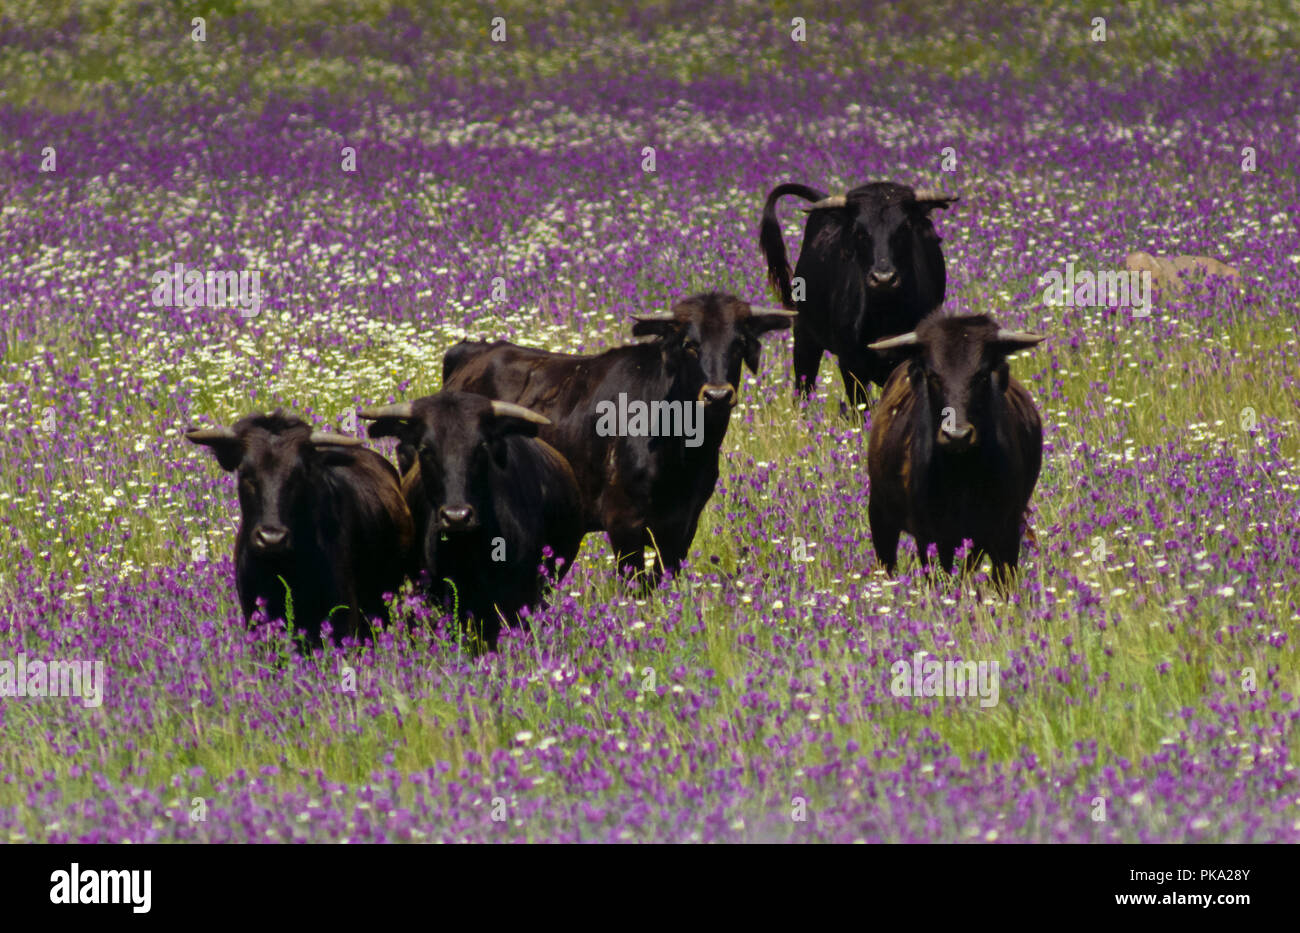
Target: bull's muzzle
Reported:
point(456, 517)
point(718, 394)
point(885, 279)
point(957, 438)
point(270, 539)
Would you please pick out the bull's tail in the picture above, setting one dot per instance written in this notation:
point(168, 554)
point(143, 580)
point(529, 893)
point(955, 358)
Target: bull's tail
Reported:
point(459, 355)
point(769, 239)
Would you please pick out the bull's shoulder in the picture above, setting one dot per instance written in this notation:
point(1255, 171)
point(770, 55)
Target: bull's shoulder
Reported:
point(896, 403)
point(554, 461)
point(1022, 407)
point(361, 482)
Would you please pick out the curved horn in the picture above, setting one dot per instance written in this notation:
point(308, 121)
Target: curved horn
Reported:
point(835, 200)
point(396, 410)
point(1019, 338)
point(329, 437)
point(206, 435)
point(934, 194)
point(781, 311)
point(510, 410)
point(894, 343)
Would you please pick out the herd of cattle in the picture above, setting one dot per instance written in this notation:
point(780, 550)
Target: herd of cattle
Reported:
point(501, 473)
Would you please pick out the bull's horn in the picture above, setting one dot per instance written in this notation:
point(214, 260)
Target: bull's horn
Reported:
point(208, 435)
point(781, 311)
point(1019, 338)
point(329, 437)
point(835, 200)
point(894, 343)
point(396, 410)
point(934, 194)
point(511, 410)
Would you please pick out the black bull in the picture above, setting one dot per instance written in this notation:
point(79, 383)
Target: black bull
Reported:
point(488, 499)
point(318, 515)
point(870, 266)
point(640, 490)
point(956, 444)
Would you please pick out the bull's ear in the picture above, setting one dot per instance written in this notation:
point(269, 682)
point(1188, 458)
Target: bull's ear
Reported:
point(507, 419)
point(389, 421)
point(1009, 341)
point(764, 319)
point(224, 443)
point(387, 427)
point(656, 326)
point(758, 323)
point(927, 200)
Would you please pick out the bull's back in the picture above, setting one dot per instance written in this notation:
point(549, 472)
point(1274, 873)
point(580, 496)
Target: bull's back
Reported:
point(510, 373)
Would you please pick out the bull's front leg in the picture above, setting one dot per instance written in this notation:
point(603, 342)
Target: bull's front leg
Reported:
point(807, 360)
point(670, 546)
point(856, 382)
point(628, 543)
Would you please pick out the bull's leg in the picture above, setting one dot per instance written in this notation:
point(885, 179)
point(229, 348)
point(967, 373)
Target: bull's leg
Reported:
point(807, 360)
point(946, 553)
point(628, 544)
point(486, 630)
point(884, 536)
point(670, 546)
point(856, 381)
point(923, 558)
point(247, 604)
point(1005, 552)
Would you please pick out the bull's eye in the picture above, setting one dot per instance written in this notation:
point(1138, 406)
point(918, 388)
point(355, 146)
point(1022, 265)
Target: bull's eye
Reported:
point(691, 347)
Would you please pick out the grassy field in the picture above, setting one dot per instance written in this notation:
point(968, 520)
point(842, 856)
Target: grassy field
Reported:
point(1147, 657)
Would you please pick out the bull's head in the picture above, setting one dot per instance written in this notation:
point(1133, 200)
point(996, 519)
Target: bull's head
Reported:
point(457, 437)
point(881, 223)
point(273, 456)
point(707, 338)
point(958, 369)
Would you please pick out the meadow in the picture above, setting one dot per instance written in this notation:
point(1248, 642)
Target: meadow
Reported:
point(1149, 674)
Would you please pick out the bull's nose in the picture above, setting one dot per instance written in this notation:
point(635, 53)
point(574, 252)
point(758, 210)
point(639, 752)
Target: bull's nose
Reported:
point(270, 537)
point(959, 437)
point(455, 517)
point(884, 278)
point(716, 395)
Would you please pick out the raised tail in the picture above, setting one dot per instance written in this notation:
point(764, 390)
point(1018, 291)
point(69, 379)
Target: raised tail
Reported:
point(773, 246)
